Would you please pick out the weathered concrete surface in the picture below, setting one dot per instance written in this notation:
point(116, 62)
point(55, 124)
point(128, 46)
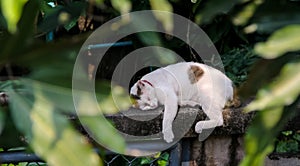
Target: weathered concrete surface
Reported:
point(223, 147)
point(283, 162)
point(229, 151)
point(140, 123)
point(217, 151)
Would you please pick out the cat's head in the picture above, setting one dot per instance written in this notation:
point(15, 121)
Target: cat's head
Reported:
point(143, 94)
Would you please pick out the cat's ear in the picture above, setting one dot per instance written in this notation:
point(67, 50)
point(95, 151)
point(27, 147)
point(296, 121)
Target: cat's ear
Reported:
point(140, 87)
point(140, 84)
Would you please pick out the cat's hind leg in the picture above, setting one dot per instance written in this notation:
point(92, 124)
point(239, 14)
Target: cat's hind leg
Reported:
point(215, 119)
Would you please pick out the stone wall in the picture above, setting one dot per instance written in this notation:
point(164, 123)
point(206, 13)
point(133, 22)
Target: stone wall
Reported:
point(223, 147)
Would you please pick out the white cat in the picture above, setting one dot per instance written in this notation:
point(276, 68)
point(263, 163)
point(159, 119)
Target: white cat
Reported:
point(186, 83)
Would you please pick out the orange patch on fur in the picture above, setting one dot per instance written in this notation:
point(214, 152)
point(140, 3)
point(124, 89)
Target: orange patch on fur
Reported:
point(195, 73)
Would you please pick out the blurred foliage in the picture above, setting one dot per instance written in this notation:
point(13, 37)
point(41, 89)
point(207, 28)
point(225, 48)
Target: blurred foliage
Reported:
point(237, 63)
point(258, 41)
point(285, 40)
point(162, 159)
point(288, 142)
point(49, 133)
point(12, 11)
point(281, 92)
point(123, 6)
point(205, 13)
point(277, 102)
point(166, 20)
point(40, 102)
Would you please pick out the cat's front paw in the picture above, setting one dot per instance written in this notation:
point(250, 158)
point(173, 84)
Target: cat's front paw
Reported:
point(168, 136)
point(146, 108)
point(199, 127)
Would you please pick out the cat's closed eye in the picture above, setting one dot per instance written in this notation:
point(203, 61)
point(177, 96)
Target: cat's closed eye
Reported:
point(136, 97)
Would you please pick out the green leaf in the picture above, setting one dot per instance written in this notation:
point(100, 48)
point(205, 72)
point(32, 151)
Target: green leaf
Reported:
point(296, 137)
point(12, 11)
point(116, 100)
point(60, 97)
point(162, 163)
point(246, 13)
point(50, 20)
point(99, 2)
point(271, 117)
point(282, 41)
point(213, 8)
point(283, 91)
point(9, 84)
point(287, 133)
point(273, 15)
point(110, 99)
point(165, 56)
point(285, 146)
point(157, 155)
point(145, 160)
point(150, 38)
point(260, 136)
point(26, 28)
point(103, 132)
point(71, 24)
point(259, 140)
point(10, 136)
point(165, 156)
point(61, 15)
point(76, 8)
point(50, 134)
point(123, 6)
point(273, 66)
point(165, 18)
point(59, 56)
point(2, 119)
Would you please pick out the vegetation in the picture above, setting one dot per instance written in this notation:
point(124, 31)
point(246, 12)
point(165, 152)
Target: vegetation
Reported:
point(40, 41)
point(288, 142)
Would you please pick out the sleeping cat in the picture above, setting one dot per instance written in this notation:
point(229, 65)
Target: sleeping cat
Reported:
point(186, 83)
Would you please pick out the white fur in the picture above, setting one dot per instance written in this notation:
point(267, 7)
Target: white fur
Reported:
point(172, 87)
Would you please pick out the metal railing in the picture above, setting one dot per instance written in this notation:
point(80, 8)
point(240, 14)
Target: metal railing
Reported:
point(170, 157)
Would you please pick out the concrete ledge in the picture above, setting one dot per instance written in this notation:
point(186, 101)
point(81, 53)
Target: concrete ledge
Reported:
point(224, 146)
point(141, 123)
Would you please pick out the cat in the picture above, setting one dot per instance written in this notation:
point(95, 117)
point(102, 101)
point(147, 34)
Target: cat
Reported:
point(185, 83)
